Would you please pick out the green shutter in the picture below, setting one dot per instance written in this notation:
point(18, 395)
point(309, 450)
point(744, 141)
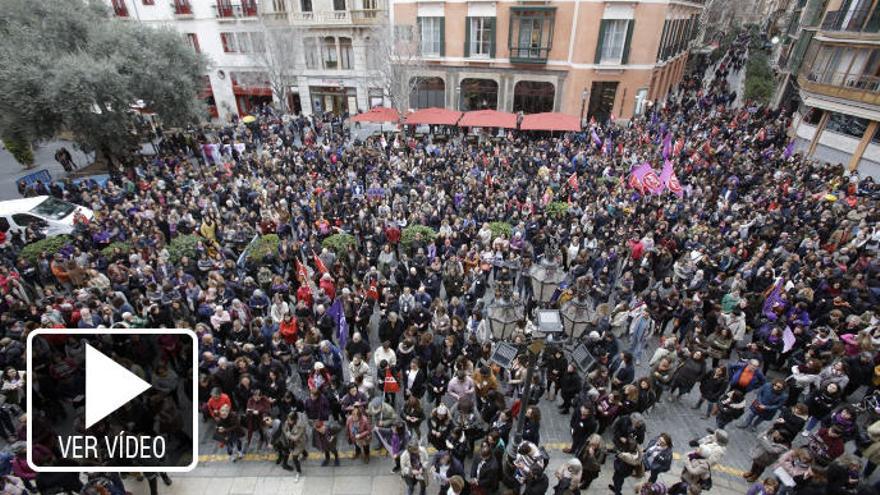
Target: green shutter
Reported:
point(442, 36)
point(630, 27)
point(601, 41)
point(467, 36)
point(491, 24)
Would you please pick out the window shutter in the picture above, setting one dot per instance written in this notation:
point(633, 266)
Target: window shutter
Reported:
point(491, 27)
point(630, 25)
point(602, 26)
point(467, 36)
point(225, 42)
point(442, 36)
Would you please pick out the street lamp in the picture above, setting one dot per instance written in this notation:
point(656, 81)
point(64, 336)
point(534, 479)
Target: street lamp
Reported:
point(504, 313)
point(577, 313)
point(546, 276)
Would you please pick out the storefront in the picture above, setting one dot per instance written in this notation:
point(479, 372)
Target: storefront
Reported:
point(333, 99)
point(252, 90)
point(478, 94)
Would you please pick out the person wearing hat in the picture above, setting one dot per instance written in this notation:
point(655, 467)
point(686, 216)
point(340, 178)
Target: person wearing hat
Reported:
point(413, 468)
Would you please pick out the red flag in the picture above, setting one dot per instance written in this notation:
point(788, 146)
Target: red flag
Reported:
point(320, 264)
point(391, 385)
point(302, 273)
point(761, 134)
point(679, 145)
point(573, 181)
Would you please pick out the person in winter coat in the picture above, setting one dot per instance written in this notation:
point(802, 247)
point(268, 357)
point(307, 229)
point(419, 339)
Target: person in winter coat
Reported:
point(324, 438)
point(771, 444)
point(746, 376)
point(696, 472)
point(791, 421)
point(687, 375)
point(537, 482)
point(414, 468)
point(662, 374)
point(712, 386)
point(294, 430)
point(486, 471)
point(583, 424)
point(359, 432)
point(770, 399)
point(731, 407)
point(444, 468)
point(629, 429)
point(628, 462)
point(658, 456)
point(820, 403)
point(439, 426)
point(770, 486)
point(381, 413)
point(711, 447)
point(569, 385)
point(592, 457)
point(793, 466)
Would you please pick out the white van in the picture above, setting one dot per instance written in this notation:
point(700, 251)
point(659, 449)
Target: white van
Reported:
point(52, 215)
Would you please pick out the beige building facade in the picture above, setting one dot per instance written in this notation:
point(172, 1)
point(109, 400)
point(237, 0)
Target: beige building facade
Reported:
point(581, 57)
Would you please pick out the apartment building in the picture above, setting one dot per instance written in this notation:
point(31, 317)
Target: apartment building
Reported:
point(329, 48)
point(591, 58)
point(839, 88)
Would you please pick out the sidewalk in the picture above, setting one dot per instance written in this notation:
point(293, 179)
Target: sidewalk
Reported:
point(44, 159)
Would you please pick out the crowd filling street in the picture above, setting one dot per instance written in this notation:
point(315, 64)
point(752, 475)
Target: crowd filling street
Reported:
point(741, 280)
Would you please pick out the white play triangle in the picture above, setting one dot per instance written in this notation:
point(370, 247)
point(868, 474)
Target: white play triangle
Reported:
point(109, 386)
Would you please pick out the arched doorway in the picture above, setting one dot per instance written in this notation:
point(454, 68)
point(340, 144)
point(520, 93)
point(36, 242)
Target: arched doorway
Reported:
point(533, 97)
point(478, 94)
point(428, 92)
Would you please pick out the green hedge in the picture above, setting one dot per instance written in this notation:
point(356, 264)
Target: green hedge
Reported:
point(50, 245)
point(408, 235)
point(339, 243)
point(123, 246)
point(21, 151)
point(501, 229)
point(183, 245)
point(557, 209)
point(266, 245)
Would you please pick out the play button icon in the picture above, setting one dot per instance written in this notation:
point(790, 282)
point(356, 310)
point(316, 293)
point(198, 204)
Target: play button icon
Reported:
point(109, 386)
point(94, 396)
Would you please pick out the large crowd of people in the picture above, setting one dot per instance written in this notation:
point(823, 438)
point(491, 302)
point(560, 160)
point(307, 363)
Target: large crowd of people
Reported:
point(752, 295)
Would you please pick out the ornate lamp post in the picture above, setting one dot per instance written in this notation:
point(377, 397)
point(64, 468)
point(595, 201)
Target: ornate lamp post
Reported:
point(504, 313)
point(577, 313)
point(546, 276)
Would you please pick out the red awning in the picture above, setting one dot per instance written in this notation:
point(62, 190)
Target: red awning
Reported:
point(550, 121)
point(433, 116)
point(488, 118)
point(377, 114)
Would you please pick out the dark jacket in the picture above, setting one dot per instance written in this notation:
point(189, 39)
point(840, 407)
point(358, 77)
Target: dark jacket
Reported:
point(489, 475)
point(662, 460)
point(712, 388)
point(418, 386)
point(769, 401)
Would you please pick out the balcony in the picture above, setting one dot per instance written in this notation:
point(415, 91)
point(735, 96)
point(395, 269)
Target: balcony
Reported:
point(119, 8)
point(232, 11)
point(529, 55)
point(863, 21)
point(852, 87)
point(367, 17)
point(330, 18)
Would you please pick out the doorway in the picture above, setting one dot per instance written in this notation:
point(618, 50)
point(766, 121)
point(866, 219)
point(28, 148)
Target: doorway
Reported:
point(602, 99)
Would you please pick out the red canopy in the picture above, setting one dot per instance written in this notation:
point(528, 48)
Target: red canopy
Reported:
point(377, 114)
point(550, 121)
point(488, 118)
point(433, 116)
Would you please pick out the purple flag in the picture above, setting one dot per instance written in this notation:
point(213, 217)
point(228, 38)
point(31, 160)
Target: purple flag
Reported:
point(774, 299)
point(669, 180)
point(596, 139)
point(338, 314)
point(667, 146)
point(789, 150)
point(645, 178)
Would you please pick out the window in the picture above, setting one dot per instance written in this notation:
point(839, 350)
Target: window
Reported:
point(372, 54)
point(478, 94)
point(331, 60)
point(149, 2)
point(613, 38)
point(846, 124)
point(279, 5)
point(533, 97)
point(428, 92)
point(481, 37)
point(182, 7)
point(311, 53)
point(119, 8)
point(338, 5)
point(242, 42)
point(403, 33)
point(228, 42)
point(813, 116)
point(641, 100)
point(531, 34)
point(258, 42)
point(370, 4)
point(305, 5)
point(193, 40)
point(377, 98)
point(345, 54)
point(431, 36)
point(23, 220)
